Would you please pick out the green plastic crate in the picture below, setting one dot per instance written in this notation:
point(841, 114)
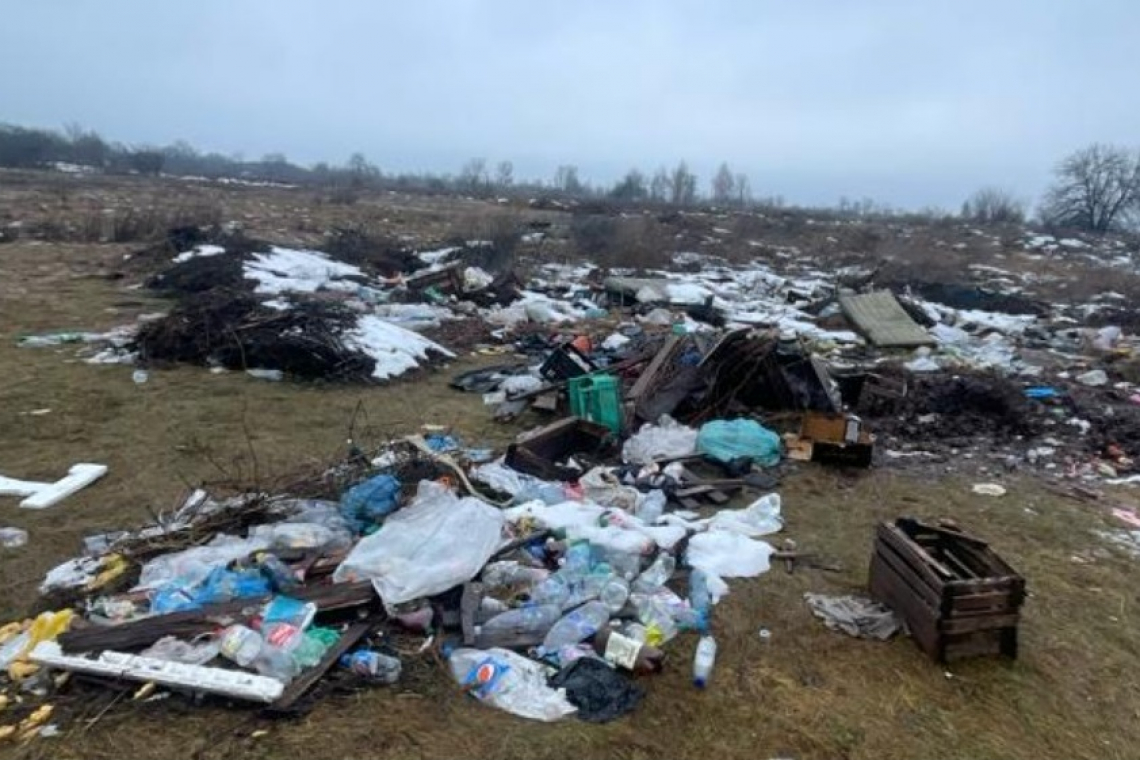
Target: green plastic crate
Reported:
point(597, 398)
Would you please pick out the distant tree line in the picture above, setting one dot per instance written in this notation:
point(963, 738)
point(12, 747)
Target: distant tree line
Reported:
point(1097, 188)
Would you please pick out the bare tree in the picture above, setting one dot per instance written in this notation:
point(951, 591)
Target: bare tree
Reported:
point(1096, 188)
point(632, 187)
point(682, 185)
point(743, 190)
point(566, 179)
point(723, 185)
point(660, 186)
point(992, 205)
point(504, 174)
point(473, 176)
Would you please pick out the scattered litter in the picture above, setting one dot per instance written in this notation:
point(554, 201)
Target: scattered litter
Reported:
point(13, 538)
point(989, 489)
point(855, 616)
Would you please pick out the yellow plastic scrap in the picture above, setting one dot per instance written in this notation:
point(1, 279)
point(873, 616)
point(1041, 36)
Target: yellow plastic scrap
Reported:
point(113, 565)
point(38, 717)
point(4, 702)
point(7, 732)
point(46, 627)
point(12, 630)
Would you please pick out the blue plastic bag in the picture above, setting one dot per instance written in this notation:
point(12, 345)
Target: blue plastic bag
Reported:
point(370, 502)
point(726, 440)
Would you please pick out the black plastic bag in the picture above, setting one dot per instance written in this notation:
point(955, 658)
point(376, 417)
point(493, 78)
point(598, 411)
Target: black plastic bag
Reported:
point(600, 693)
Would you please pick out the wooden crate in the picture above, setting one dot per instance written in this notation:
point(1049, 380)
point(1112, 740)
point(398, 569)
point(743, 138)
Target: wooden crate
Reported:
point(958, 597)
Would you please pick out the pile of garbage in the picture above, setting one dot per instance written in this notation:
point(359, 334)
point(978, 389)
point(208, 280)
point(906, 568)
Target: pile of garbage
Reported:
point(546, 598)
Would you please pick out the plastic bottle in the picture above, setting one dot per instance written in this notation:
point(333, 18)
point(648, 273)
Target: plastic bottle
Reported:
point(374, 666)
point(700, 599)
point(614, 593)
point(554, 590)
point(655, 616)
point(577, 625)
point(241, 644)
point(652, 506)
point(498, 574)
point(703, 661)
point(625, 564)
point(534, 618)
point(656, 574)
point(246, 647)
point(578, 558)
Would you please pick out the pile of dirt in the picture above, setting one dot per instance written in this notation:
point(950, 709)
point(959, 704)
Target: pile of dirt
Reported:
point(380, 255)
point(958, 296)
point(233, 329)
point(940, 406)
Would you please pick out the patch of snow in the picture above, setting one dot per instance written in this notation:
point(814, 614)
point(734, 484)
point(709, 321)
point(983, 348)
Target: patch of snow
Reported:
point(199, 251)
point(288, 270)
point(395, 349)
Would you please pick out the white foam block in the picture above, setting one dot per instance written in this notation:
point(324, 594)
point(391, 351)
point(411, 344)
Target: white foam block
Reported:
point(231, 683)
point(42, 495)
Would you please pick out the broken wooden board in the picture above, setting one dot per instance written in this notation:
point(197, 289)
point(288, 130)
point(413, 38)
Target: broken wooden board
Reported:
point(879, 317)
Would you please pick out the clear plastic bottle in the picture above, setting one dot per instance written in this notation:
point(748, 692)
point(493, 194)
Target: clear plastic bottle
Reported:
point(498, 574)
point(554, 590)
point(703, 661)
point(656, 575)
point(246, 647)
point(654, 614)
point(577, 625)
point(614, 593)
point(241, 644)
point(652, 506)
point(534, 618)
point(374, 666)
point(700, 599)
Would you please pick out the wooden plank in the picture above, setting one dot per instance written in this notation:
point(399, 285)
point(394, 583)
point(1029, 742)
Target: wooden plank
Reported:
point(935, 572)
point(974, 644)
point(308, 678)
point(919, 583)
point(889, 589)
point(950, 626)
point(992, 601)
point(645, 382)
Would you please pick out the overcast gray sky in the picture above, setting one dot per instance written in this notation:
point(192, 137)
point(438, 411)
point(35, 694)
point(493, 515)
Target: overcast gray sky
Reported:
point(910, 102)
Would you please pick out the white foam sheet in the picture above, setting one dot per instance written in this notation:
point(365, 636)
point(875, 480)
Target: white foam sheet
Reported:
point(43, 495)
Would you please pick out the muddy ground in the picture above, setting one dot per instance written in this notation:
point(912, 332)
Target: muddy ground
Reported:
point(805, 693)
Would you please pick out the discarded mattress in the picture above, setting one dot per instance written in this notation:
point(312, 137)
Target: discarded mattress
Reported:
point(880, 318)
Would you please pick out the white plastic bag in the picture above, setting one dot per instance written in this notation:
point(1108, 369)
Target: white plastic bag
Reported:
point(728, 555)
point(436, 542)
point(509, 682)
point(665, 440)
point(760, 518)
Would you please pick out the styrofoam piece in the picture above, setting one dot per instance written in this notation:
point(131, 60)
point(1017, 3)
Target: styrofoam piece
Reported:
point(231, 683)
point(41, 495)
